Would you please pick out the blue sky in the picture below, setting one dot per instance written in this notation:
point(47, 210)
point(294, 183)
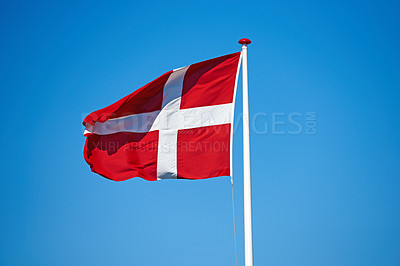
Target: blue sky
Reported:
point(324, 197)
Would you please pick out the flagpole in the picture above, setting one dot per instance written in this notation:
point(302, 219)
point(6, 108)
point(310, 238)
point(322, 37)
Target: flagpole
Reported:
point(248, 231)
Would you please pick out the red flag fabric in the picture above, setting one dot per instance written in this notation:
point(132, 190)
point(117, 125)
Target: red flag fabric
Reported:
point(178, 126)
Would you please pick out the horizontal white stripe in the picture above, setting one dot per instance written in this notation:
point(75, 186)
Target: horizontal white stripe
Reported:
point(166, 120)
point(132, 123)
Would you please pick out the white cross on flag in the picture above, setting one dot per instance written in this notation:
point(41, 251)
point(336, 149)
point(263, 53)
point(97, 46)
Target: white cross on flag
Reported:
point(178, 126)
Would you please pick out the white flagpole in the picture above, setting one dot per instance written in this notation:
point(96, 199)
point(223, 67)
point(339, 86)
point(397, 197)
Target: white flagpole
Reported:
point(248, 231)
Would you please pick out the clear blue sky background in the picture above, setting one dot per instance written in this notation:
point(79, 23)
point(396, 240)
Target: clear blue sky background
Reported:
point(330, 198)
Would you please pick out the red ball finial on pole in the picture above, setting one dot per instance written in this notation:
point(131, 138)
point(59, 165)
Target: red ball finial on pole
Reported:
point(244, 41)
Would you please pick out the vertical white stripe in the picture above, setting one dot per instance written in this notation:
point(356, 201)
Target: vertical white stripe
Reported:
point(168, 138)
point(173, 90)
point(167, 154)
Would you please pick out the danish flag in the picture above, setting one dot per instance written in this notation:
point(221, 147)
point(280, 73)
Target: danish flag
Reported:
point(178, 126)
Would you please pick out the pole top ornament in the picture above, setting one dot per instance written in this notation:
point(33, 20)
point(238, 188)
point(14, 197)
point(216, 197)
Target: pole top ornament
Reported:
point(244, 41)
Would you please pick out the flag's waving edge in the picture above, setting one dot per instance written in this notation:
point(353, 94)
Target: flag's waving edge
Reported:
point(233, 116)
point(178, 126)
